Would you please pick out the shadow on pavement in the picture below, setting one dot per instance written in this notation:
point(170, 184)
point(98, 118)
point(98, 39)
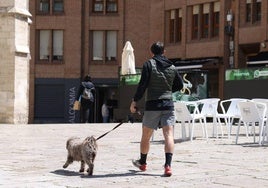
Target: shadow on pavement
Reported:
point(66, 172)
point(130, 173)
point(156, 142)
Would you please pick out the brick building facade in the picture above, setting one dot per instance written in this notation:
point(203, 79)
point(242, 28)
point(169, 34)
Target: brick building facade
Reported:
point(71, 38)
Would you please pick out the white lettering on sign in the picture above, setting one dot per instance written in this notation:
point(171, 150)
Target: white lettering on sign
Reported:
point(71, 102)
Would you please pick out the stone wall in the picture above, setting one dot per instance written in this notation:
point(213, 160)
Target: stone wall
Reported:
point(14, 61)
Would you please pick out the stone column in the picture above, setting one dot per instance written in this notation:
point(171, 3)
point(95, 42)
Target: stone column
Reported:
point(14, 61)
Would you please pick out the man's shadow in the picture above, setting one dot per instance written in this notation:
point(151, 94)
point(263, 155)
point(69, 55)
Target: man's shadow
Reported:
point(63, 172)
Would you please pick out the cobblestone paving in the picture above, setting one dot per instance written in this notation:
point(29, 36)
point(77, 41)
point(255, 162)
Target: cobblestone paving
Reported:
point(33, 155)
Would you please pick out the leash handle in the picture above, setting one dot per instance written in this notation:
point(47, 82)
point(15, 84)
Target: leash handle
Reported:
point(110, 130)
point(137, 110)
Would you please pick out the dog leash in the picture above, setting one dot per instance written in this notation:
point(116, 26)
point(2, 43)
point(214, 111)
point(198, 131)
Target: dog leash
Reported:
point(110, 130)
point(137, 111)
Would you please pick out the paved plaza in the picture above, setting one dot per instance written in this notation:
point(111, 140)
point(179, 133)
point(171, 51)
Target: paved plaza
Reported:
point(33, 156)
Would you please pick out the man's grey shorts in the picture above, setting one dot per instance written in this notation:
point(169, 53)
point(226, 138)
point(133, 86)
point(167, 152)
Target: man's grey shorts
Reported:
point(158, 119)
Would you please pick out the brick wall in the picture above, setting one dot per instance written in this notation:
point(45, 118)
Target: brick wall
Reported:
point(140, 22)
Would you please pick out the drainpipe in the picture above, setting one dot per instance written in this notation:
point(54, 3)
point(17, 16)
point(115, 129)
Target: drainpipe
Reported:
point(82, 59)
point(124, 22)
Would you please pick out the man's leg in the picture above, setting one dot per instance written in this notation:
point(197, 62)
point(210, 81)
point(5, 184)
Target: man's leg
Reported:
point(144, 148)
point(82, 114)
point(169, 140)
point(145, 139)
point(86, 115)
point(91, 113)
point(169, 148)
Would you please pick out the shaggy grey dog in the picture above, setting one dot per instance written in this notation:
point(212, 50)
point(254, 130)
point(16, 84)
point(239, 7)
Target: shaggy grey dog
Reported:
point(82, 150)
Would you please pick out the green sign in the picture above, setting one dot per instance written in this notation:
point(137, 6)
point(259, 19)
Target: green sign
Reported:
point(130, 79)
point(246, 74)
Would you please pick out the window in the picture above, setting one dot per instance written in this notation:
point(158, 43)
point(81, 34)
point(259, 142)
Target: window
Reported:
point(111, 6)
point(179, 26)
point(111, 45)
point(248, 11)
point(44, 6)
point(175, 25)
point(98, 45)
point(57, 44)
point(104, 45)
point(58, 6)
point(98, 6)
point(172, 26)
point(253, 11)
point(195, 22)
point(258, 10)
point(51, 45)
point(216, 19)
point(44, 45)
point(205, 21)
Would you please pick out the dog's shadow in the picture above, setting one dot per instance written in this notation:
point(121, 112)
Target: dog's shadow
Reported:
point(66, 172)
point(82, 175)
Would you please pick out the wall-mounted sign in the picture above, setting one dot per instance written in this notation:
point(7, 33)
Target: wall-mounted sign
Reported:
point(246, 74)
point(131, 79)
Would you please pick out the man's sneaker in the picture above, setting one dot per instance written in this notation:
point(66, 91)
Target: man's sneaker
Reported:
point(168, 171)
point(137, 164)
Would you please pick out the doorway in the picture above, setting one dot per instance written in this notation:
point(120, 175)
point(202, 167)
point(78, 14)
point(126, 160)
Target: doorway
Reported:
point(108, 94)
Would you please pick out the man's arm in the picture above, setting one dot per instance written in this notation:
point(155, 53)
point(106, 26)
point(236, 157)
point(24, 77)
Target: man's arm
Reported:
point(142, 86)
point(145, 77)
point(177, 83)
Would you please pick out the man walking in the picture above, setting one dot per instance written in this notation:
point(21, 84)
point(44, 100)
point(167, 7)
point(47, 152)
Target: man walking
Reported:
point(160, 78)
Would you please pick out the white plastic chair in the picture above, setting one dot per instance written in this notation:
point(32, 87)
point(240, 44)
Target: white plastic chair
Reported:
point(250, 115)
point(209, 109)
point(264, 101)
point(183, 115)
point(264, 130)
point(229, 112)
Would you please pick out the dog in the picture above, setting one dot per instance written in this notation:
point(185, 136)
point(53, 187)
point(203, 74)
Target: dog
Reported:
point(82, 150)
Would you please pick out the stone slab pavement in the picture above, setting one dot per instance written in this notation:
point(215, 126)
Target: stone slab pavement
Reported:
point(32, 156)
